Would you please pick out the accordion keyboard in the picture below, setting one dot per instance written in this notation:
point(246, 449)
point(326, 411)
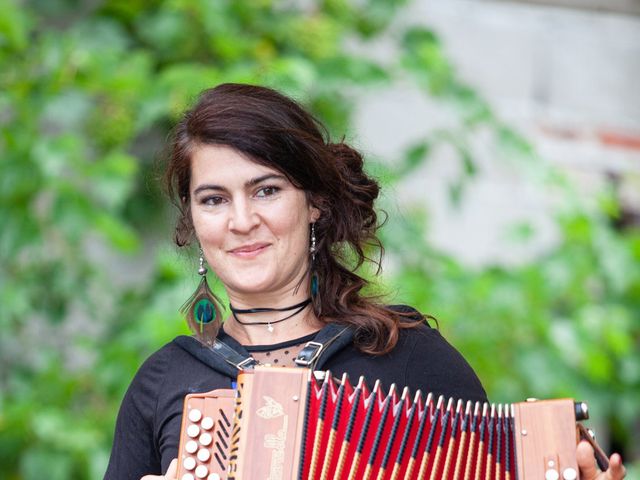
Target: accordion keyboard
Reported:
point(207, 422)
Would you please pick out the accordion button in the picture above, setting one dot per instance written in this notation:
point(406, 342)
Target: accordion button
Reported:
point(191, 446)
point(213, 476)
point(188, 476)
point(207, 423)
point(203, 455)
point(202, 471)
point(195, 415)
point(193, 431)
point(569, 474)
point(189, 463)
point(551, 474)
point(205, 439)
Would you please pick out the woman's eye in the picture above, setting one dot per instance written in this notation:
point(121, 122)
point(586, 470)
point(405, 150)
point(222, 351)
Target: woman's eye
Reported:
point(214, 200)
point(267, 191)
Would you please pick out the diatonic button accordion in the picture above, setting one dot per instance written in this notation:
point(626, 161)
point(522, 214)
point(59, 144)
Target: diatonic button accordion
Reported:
point(285, 423)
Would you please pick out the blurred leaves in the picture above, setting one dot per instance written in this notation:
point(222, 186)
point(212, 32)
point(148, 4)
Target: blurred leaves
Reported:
point(89, 286)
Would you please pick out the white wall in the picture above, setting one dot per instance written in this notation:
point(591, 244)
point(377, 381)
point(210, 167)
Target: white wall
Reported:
point(568, 79)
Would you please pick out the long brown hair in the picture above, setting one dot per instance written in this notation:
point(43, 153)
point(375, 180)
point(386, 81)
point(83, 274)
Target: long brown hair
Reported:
point(276, 131)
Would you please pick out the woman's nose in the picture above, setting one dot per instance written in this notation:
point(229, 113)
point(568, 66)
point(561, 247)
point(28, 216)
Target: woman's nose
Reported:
point(243, 217)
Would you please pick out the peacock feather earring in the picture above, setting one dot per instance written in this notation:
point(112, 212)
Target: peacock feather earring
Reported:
point(315, 286)
point(202, 310)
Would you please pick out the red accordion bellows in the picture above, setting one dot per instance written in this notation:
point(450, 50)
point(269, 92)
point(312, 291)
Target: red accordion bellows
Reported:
point(283, 423)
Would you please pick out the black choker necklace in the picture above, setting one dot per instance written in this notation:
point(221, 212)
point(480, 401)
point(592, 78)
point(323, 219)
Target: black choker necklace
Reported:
point(297, 307)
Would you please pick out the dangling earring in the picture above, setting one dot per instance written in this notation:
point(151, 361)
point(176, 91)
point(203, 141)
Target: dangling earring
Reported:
point(202, 309)
point(315, 286)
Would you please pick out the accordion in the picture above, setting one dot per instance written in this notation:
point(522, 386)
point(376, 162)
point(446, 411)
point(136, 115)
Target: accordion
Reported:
point(286, 423)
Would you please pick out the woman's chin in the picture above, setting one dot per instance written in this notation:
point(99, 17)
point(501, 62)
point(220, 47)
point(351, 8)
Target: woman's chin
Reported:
point(253, 287)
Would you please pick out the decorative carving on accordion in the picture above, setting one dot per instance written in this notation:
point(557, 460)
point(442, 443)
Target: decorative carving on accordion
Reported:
point(288, 425)
point(271, 409)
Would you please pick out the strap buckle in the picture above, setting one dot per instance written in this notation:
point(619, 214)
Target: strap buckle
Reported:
point(309, 354)
point(246, 364)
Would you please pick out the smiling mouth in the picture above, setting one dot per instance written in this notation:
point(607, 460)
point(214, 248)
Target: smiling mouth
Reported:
point(249, 250)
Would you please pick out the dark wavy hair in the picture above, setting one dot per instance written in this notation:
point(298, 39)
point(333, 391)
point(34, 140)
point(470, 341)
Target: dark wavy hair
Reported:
point(276, 131)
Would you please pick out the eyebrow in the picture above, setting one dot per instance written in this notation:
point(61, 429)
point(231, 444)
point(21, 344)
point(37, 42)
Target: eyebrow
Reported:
point(248, 183)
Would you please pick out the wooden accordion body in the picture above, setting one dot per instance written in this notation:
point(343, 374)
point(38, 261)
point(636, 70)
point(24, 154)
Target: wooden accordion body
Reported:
point(283, 423)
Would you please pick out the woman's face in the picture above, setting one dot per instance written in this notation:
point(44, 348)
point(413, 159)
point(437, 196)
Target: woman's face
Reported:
point(251, 222)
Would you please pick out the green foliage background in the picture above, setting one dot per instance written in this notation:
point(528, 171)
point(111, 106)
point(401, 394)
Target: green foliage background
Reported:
point(88, 93)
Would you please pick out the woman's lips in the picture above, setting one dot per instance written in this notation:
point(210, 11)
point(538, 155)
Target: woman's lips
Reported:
point(251, 250)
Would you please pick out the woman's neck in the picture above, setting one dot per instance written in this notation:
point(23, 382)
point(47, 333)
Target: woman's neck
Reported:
point(271, 327)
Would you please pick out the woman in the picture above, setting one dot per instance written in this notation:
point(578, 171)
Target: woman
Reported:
point(282, 217)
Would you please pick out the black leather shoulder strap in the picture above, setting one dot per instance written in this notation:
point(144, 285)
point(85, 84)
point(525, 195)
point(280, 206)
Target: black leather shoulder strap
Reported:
point(321, 344)
point(229, 357)
point(232, 357)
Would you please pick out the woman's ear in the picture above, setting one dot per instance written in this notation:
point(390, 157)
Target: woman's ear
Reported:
point(314, 214)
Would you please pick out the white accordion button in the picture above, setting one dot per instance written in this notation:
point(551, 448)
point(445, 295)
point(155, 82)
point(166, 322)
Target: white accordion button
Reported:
point(205, 439)
point(551, 474)
point(188, 476)
point(203, 455)
point(189, 463)
point(569, 474)
point(207, 423)
point(191, 446)
point(195, 415)
point(213, 476)
point(201, 471)
point(193, 431)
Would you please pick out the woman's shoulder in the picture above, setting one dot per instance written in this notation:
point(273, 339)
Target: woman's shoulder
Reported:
point(169, 373)
point(168, 362)
point(157, 363)
point(421, 359)
point(152, 373)
point(173, 363)
point(409, 314)
point(431, 356)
